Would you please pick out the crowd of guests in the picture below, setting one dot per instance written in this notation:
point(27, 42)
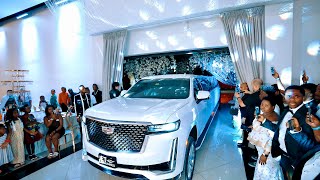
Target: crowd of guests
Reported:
point(283, 124)
point(19, 129)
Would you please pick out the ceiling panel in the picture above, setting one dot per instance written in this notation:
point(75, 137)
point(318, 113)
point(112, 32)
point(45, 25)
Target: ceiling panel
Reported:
point(108, 15)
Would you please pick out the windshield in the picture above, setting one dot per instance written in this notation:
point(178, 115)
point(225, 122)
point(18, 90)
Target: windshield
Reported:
point(160, 89)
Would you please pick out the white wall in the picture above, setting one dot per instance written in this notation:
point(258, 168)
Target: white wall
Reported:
point(54, 49)
point(306, 36)
point(278, 25)
point(209, 33)
point(194, 34)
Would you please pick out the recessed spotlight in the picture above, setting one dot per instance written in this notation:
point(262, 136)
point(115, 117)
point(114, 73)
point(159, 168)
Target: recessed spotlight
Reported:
point(22, 15)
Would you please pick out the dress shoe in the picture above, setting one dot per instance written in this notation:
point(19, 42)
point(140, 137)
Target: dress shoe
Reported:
point(252, 164)
point(241, 145)
point(254, 157)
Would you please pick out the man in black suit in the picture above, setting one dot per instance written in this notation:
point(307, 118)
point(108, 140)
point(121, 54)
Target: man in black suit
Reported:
point(249, 103)
point(287, 139)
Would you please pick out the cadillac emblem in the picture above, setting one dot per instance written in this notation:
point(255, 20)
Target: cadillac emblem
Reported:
point(107, 130)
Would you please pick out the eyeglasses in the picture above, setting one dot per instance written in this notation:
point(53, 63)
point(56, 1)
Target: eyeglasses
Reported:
point(294, 96)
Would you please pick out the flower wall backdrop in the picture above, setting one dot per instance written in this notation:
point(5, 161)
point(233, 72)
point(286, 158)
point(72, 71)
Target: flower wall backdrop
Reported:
point(216, 62)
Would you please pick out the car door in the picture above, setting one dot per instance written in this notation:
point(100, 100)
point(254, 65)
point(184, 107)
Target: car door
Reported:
point(201, 106)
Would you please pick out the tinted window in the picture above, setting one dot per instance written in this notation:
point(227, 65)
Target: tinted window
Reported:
point(160, 89)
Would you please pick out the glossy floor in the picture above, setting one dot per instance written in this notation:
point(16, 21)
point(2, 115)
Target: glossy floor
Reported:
point(218, 158)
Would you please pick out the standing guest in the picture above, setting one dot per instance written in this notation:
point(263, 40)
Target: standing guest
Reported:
point(31, 131)
point(17, 136)
point(53, 99)
point(82, 102)
point(64, 99)
point(250, 103)
point(92, 98)
point(97, 93)
point(310, 90)
point(292, 123)
point(8, 101)
point(24, 98)
point(126, 82)
point(54, 122)
point(115, 91)
point(71, 96)
point(279, 98)
point(267, 167)
point(43, 103)
point(6, 155)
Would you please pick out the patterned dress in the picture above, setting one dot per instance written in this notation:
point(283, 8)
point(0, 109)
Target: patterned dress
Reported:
point(17, 139)
point(261, 137)
point(6, 155)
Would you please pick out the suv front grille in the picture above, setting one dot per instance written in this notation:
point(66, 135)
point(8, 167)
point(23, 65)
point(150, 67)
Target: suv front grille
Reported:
point(125, 137)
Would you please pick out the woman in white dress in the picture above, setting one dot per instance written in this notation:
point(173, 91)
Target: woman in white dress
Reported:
point(17, 137)
point(267, 167)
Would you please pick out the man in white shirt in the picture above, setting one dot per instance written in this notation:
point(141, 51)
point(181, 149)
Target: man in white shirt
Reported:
point(283, 142)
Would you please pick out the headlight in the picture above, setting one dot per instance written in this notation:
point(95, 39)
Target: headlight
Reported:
point(164, 128)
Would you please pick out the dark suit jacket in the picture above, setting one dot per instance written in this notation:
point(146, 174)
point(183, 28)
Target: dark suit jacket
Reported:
point(297, 144)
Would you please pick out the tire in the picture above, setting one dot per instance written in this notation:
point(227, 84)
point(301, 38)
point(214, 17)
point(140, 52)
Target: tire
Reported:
point(190, 160)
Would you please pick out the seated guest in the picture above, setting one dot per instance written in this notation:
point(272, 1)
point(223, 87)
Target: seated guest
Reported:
point(250, 103)
point(43, 103)
point(267, 167)
point(115, 91)
point(15, 125)
point(97, 93)
point(53, 99)
point(31, 131)
point(64, 99)
point(56, 130)
point(6, 155)
point(283, 143)
point(92, 98)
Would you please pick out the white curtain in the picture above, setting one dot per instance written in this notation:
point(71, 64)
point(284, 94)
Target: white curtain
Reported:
point(245, 31)
point(114, 44)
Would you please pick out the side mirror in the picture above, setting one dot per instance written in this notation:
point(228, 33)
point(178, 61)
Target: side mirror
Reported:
point(123, 92)
point(203, 95)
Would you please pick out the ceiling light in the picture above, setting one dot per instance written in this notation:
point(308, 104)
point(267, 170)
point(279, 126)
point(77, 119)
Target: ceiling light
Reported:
point(186, 10)
point(144, 15)
point(22, 15)
point(173, 40)
point(60, 2)
point(151, 35)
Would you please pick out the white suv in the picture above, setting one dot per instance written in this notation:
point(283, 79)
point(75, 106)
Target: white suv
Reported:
point(154, 129)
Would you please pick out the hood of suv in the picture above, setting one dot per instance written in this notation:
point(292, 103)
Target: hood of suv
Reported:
point(156, 111)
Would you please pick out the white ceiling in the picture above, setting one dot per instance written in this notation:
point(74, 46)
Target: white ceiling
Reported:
point(9, 7)
point(110, 15)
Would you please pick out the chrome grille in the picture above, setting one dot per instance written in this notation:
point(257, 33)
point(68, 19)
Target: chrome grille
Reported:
point(125, 138)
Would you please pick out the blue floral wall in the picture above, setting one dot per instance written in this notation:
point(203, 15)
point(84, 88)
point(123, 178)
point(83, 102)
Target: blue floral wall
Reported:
point(216, 62)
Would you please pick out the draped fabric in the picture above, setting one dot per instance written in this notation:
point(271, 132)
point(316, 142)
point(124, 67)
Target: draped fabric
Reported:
point(218, 64)
point(245, 32)
point(112, 71)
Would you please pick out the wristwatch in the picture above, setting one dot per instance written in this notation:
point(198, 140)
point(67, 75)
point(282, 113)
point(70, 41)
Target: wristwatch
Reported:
point(266, 155)
point(316, 128)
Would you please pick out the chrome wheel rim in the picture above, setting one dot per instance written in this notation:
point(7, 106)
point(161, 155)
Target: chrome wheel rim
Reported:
point(191, 161)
